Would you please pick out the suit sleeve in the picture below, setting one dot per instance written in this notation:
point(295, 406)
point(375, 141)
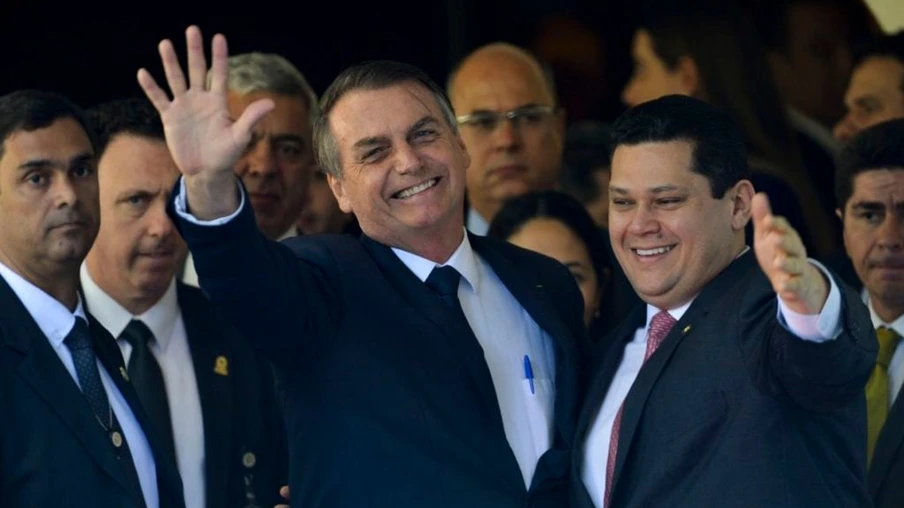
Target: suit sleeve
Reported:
point(279, 303)
point(817, 376)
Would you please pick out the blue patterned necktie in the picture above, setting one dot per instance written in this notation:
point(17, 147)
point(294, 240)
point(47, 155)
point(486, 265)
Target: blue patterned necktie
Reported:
point(79, 343)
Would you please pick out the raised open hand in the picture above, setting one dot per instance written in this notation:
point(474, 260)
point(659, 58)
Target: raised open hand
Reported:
point(202, 138)
point(783, 258)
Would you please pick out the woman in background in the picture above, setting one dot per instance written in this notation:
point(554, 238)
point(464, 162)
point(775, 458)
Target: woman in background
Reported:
point(556, 225)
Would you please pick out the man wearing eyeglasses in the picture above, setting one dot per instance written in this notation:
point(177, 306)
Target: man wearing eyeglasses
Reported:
point(511, 126)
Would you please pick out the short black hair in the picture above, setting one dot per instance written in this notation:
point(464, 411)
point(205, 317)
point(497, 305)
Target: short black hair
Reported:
point(719, 152)
point(30, 110)
point(878, 147)
point(518, 211)
point(588, 149)
point(133, 115)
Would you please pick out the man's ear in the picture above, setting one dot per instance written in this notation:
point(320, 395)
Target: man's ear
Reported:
point(339, 191)
point(689, 77)
point(742, 204)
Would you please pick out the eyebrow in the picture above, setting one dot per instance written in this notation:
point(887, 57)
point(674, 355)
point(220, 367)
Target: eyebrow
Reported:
point(128, 193)
point(423, 122)
point(493, 112)
point(654, 190)
point(380, 140)
point(295, 138)
point(46, 163)
point(874, 206)
point(574, 264)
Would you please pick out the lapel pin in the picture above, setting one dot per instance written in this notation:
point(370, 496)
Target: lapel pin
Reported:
point(686, 329)
point(221, 366)
point(125, 375)
point(249, 460)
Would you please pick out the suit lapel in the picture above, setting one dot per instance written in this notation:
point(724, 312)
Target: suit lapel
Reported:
point(888, 447)
point(42, 369)
point(713, 293)
point(428, 305)
point(606, 362)
point(168, 479)
point(211, 358)
point(526, 288)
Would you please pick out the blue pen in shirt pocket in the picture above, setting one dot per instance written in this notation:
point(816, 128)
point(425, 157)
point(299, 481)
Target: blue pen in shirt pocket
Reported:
point(529, 373)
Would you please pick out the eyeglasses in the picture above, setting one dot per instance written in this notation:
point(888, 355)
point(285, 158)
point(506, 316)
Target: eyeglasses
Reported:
point(487, 121)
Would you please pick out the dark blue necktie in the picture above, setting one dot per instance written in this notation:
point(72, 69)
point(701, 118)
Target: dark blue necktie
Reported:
point(79, 343)
point(443, 280)
point(147, 378)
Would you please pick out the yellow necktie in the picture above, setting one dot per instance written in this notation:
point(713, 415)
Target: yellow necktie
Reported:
point(877, 395)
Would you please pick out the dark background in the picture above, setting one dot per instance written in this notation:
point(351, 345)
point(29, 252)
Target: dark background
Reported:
point(92, 53)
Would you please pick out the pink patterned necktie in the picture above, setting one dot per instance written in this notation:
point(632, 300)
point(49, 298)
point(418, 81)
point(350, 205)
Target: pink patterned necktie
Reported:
point(660, 326)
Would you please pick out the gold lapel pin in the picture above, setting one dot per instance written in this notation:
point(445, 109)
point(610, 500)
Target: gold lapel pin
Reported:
point(686, 329)
point(125, 375)
point(221, 366)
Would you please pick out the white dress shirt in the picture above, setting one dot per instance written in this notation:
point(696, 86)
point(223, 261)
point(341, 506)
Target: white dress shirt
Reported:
point(506, 333)
point(56, 321)
point(896, 367)
point(475, 223)
point(815, 328)
point(190, 276)
point(170, 348)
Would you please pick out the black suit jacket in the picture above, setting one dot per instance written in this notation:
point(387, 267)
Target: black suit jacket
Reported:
point(886, 472)
point(383, 405)
point(733, 410)
point(244, 440)
point(53, 452)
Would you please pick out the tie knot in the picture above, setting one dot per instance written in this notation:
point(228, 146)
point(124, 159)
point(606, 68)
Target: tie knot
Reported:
point(444, 280)
point(79, 337)
point(137, 334)
point(888, 341)
point(660, 326)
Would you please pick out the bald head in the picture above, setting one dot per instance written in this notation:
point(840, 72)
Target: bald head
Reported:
point(514, 154)
point(500, 61)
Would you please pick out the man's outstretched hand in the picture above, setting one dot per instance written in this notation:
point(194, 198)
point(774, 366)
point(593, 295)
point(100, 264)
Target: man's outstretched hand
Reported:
point(205, 142)
point(783, 258)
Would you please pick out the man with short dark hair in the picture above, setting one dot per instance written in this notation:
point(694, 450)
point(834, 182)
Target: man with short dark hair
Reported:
point(870, 188)
point(876, 90)
point(741, 379)
point(205, 389)
point(72, 430)
point(418, 365)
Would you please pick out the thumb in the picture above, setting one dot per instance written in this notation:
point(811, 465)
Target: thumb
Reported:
point(241, 129)
point(761, 208)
